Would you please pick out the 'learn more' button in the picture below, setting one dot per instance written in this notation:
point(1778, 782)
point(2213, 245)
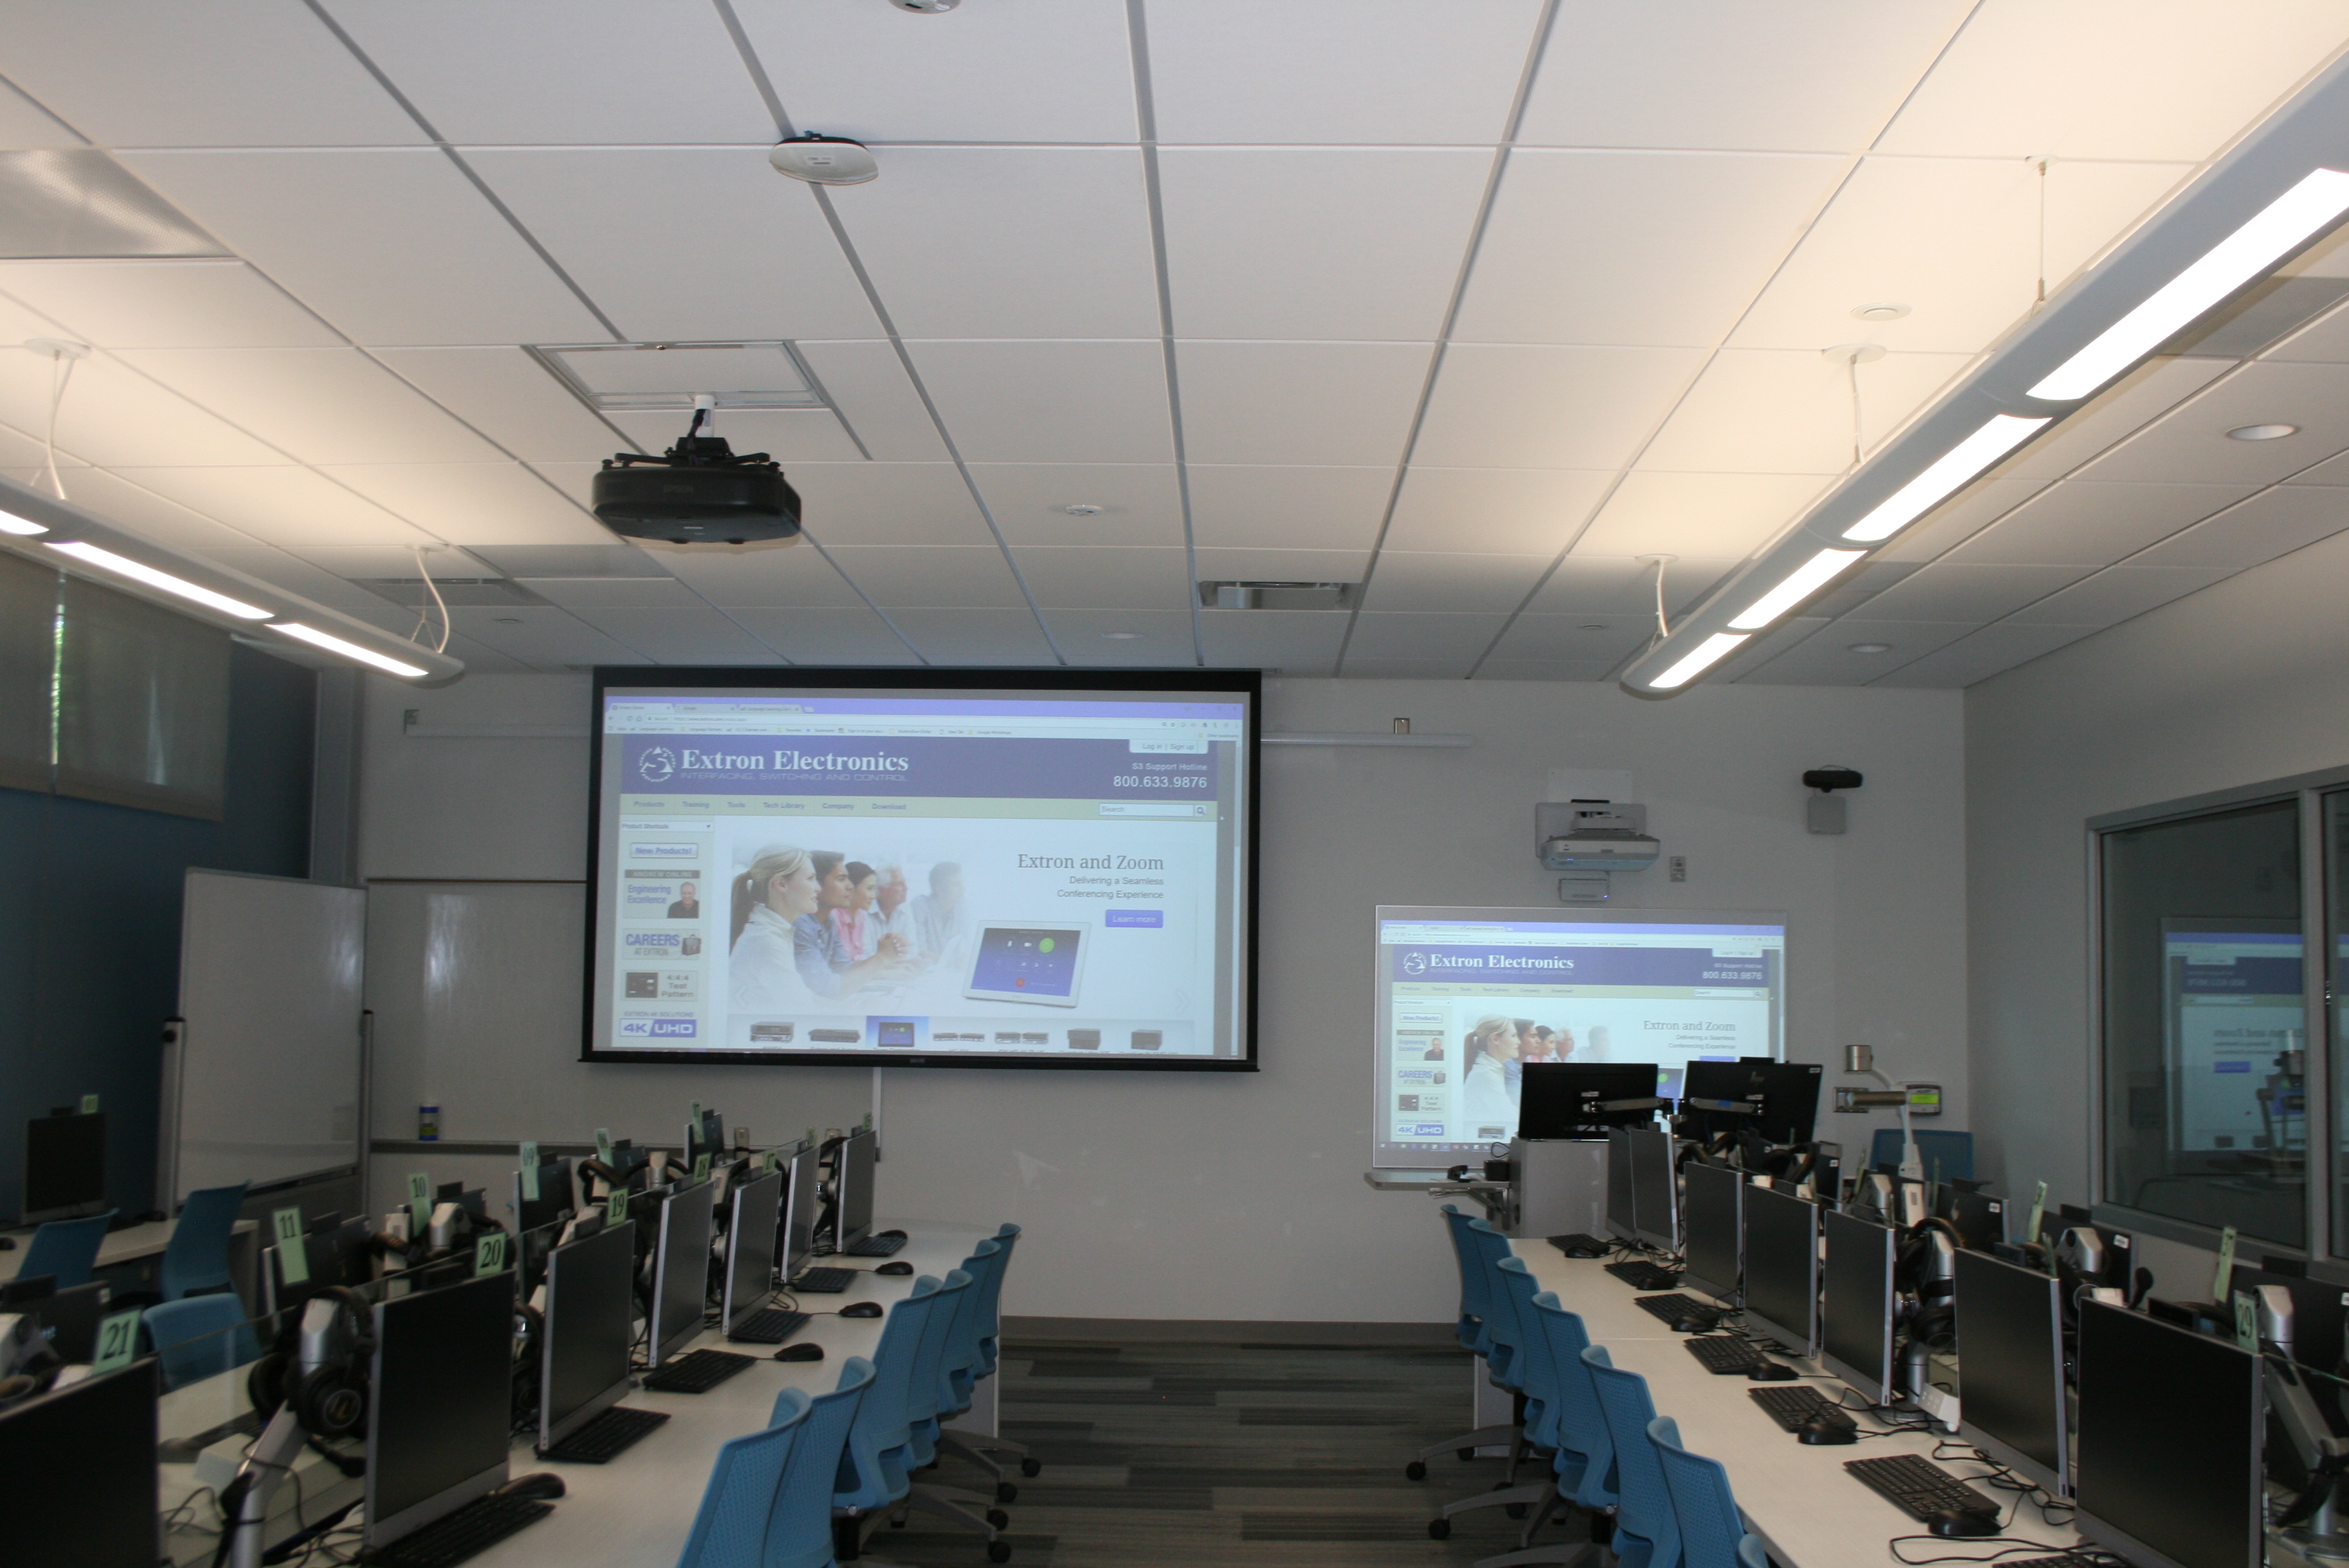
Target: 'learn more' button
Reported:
point(1151, 919)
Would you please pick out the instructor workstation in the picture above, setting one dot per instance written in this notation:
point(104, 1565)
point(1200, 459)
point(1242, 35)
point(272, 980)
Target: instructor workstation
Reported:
point(765, 771)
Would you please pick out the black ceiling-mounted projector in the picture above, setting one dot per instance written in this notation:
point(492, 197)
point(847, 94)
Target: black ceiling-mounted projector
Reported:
point(700, 492)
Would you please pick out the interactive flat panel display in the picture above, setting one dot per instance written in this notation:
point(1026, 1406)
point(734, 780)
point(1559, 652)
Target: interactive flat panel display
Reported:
point(934, 868)
point(1467, 997)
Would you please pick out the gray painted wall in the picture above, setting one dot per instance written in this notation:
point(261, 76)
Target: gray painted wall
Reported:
point(1241, 1197)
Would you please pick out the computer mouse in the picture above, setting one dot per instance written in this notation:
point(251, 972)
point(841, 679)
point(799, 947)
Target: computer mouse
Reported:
point(1695, 1325)
point(899, 1234)
point(861, 1309)
point(1819, 1429)
point(800, 1352)
point(8, 1243)
point(1772, 1372)
point(895, 1269)
point(1957, 1523)
point(543, 1485)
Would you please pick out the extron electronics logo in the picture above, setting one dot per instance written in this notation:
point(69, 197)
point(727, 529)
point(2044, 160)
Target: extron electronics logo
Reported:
point(1414, 963)
point(657, 764)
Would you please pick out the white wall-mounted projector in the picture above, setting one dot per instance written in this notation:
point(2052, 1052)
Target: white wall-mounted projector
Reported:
point(1593, 835)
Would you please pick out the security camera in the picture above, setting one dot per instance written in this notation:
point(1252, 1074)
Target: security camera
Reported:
point(1831, 779)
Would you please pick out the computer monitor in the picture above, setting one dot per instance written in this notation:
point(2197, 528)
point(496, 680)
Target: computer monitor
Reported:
point(1655, 1189)
point(1856, 1304)
point(1979, 1217)
point(681, 1269)
point(1722, 1083)
point(339, 1254)
point(1565, 1099)
point(750, 1248)
point(2317, 1313)
point(802, 1202)
point(2168, 1468)
point(2011, 1401)
point(589, 1330)
point(1782, 1268)
point(64, 1167)
point(440, 1404)
point(707, 1136)
point(1713, 1221)
point(1623, 1207)
point(68, 1318)
point(1790, 1100)
point(554, 1202)
point(86, 1454)
point(851, 1178)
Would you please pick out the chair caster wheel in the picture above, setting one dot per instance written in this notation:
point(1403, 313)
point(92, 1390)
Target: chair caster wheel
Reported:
point(1513, 1509)
point(1006, 1493)
point(998, 1552)
point(1415, 1471)
point(997, 1518)
point(897, 1524)
point(1465, 1454)
point(1439, 1530)
point(1031, 1467)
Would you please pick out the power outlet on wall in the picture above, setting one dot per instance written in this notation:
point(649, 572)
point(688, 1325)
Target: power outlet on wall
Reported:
point(1678, 866)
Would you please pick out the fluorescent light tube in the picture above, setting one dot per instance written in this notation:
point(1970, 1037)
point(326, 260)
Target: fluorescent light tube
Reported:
point(1709, 653)
point(139, 571)
point(1937, 483)
point(1798, 586)
point(334, 645)
point(2278, 229)
point(11, 523)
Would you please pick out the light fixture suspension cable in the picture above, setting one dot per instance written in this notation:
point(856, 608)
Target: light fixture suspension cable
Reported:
point(61, 369)
point(433, 589)
point(1851, 373)
point(2039, 300)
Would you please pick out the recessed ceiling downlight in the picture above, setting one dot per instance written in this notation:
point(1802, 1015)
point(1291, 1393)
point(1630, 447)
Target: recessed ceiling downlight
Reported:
point(2261, 432)
point(1122, 636)
point(1880, 312)
point(1871, 647)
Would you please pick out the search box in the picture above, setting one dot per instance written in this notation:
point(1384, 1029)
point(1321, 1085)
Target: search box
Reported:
point(1154, 808)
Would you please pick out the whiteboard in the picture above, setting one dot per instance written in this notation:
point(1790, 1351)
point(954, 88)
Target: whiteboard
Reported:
point(267, 1073)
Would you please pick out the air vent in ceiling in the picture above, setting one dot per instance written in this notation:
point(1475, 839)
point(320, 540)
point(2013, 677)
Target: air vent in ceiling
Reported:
point(1278, 595)
point(477, 592)
point(615, 378)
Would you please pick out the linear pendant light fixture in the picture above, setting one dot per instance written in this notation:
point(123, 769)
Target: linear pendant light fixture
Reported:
point(139, 571)
point(2285, 185)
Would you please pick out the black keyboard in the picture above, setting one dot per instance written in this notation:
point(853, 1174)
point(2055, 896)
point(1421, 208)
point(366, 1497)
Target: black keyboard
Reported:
point(825, 1282)
point(1640, 1274)
point(601, 1438)
point(1919, 1488)
point(1722, 1357)
point(466, 1533)
point(1579, 1243)
point(697, 1372)
point(874, 1247)
point(771, 1326)
point(1791, 1408)
point(1674, 1308)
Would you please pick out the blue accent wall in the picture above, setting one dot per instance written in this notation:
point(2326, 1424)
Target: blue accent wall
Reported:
point(89, 925)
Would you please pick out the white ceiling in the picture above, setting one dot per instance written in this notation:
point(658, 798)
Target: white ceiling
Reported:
point(1479, 303)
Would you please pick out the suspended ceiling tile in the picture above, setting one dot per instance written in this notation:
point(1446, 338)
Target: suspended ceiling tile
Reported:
point(888, 503)
point(828, 635)
point(677, 637)
point(1751, 660)
point(2119, 592)
point(1045, 70)
point(2331, 471)
point(509, 398)
point(793, 577)
point(1433, 635)
point(237, 73)
point(165, 305)
point(1050, 402)
point(1448, 669)
point(1410, 581)
point(1955, 240)
point(1359, 244)
point(528, 71)
point(318, 404)
point(977, 637)
point(146, 512)
point(390, 246)
point(282, 505)
point(1618, 585)
point(1827, 658)
point(1278, 71)
point(1294, 642)
point(1820, 75)
point(679, 245)
point(24, 123)
point(614, 593)
point(1788, 411)
point(1105, 577)
point(1287, 508)
point(2145, 394)
point(391, 560)
point(1698, 514)
point(1857, 586)
point(2169, 79)
point(2080, 523)
point(1048, 241)
point(1541, 670)
point(786, 435)
point(1984, 654)
point(20, 451)
point(1580, 640)
point(912, 579)
point(1298, 403)
point(1504, 511)
point(2271, 523)
point(1141, 502)
point(1948, 592)
point(867, 383)
point(1973, 508)
point(473, 503)
point(1524, 406)
point(1218, 564)
point(2324, 341)
point(112, 416)
point(1635, 247)
point(1144, 639)
point(2191, 444)
point(542, 635)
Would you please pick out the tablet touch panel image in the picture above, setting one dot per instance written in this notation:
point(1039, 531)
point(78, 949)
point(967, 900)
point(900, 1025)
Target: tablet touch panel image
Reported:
point(1036, 961)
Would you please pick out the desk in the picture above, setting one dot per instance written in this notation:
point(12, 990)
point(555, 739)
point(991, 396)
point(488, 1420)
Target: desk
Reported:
point(136, 1243)
point(1797, 1499)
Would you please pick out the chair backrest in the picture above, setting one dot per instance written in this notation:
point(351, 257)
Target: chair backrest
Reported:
point(1504, 1333)
point(196, 1258)
point(928, 1392)
point(200, 1337)
point(730, 1530)
point(65, 1250)
point(1951, 1152)
point(1703, 1505)
point(1531, 1369)
point(1581, 1428)
point(1647, 1532)
point(882, 1425)
point(799, 1533)
point(990, 1303)
point(964, 1353)
point(1472, 1278)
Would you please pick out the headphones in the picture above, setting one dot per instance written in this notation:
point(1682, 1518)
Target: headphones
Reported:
point(319, 1366)
point(1922, 1263)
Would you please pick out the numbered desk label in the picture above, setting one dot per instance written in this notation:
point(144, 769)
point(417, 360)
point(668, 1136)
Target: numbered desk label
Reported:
point(419, 1203)
point(293, 1254)
point(489, 1253)
point(604, 1144)
point(90, 1105)
point(118, 1341)
point(616, 1211)
point(530, 1172)
point(701, 1167)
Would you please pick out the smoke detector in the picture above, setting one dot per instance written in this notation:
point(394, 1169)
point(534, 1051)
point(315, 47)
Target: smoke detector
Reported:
point(823, 160)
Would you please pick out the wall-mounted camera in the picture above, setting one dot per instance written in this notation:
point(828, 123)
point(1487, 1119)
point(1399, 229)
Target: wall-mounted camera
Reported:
point(1825, 811)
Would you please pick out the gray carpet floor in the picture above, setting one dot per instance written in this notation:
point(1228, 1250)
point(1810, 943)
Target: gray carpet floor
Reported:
point(1255, 1455)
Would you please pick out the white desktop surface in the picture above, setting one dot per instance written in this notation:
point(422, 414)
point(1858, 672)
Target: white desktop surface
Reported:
point(123, 1246)
point(638, 1508)
point(1797, 1497)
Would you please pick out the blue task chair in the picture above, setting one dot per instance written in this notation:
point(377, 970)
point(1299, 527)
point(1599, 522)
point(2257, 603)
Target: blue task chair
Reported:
point(798, 1532)
point(966, 1364)
point(1712, 1530)
point(196, 1259)
point(1485, 1326)
point(1647, 1533)
point(1584, 1459)
point(67, 1250)
point(200, 1337)
point(928, 1396)
point(731, 1529)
